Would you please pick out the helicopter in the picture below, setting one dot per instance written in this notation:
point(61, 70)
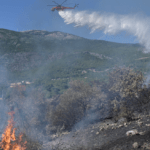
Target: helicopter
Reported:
point(59, 7)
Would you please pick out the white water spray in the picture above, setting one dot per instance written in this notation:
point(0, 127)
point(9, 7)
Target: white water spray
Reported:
point(137, 25)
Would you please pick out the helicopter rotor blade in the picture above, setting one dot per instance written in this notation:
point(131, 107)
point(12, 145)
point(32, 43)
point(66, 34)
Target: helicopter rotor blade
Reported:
point(55, 2)
point(69, 4)
point(51, 5)
point(64, 2)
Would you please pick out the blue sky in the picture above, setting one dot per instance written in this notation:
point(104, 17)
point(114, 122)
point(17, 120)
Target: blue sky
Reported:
point(36, 15)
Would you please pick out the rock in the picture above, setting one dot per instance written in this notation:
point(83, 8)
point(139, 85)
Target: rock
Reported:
point(135, 145)
point(125, 124)
point(140, 123)
point(141, 133)
point(120, 126)
point(132, 132)
point(97, 133)
point(146, 145)
point(102, 129)
point(106, 127)
point(122, 120)
point(136, 115)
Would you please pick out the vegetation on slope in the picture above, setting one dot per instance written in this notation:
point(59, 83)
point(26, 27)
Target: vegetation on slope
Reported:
point(44, 57)
point(120, 97)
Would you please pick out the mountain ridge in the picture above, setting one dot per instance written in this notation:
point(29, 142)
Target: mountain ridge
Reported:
point(55, 34)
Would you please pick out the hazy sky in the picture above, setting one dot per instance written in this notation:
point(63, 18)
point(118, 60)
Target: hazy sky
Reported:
point(19, 15)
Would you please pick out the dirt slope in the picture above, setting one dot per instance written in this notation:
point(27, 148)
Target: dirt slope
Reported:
point(107, 135)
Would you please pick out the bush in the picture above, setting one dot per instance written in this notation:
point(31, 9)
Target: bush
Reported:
point(72, 105)
point(126, 81)
point(125, 90)
point(80, 101)
point(29, 109)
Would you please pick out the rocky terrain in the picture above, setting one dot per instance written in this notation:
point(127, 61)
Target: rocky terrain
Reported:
point(106, 135)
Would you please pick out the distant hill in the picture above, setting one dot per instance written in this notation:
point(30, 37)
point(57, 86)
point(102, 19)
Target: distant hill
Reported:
point(51, 59)
point(53, 35)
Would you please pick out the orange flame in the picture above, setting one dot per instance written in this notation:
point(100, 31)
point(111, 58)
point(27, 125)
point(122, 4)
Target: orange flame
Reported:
point(8, 137)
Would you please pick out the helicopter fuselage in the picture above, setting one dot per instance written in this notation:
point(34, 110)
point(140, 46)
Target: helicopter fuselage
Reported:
point(61, 8)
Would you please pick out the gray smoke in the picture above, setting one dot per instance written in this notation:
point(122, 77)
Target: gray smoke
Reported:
point(137, 25)
point(3, 116)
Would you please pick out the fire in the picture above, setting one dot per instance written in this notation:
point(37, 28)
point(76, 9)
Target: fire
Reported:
point(9, 141)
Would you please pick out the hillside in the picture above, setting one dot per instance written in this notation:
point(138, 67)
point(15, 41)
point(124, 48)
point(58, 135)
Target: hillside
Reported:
point(44, 57)
point(64, 90)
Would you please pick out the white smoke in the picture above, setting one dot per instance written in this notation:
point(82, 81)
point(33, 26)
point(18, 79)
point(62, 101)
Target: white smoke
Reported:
point(137, 25)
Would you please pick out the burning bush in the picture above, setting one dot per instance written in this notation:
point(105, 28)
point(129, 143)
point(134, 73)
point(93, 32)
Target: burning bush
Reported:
point(29, 114)
point(9, 141)
point(29, 108)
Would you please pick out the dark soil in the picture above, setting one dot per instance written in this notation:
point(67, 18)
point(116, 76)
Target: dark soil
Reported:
point(107, 135)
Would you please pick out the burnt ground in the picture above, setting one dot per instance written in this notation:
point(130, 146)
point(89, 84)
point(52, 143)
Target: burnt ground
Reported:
point(106, 135)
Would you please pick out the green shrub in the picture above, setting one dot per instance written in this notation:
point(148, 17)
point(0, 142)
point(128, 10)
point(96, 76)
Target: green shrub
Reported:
point(125, 88)
point(126, 81)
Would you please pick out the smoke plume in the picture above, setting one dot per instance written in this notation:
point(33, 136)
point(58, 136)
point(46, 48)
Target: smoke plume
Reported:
point(137, 25)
